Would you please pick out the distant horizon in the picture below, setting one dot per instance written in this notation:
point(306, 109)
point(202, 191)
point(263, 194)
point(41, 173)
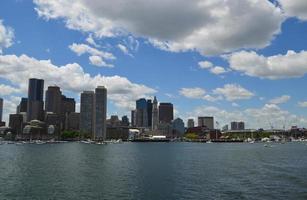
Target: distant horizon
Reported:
point(242, 60)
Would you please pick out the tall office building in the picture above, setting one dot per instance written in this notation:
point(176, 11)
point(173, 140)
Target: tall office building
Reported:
point(35, 108)
point(1, 109)
point(141, 113)
point(155, 114)
point(87, 112)
point(53, 100)
point(191, 123)
point(23, 105)
point(237, 125)
point(166, 113)
point(125, 121)
point(206, 122)
point(100, 127)
point(149, 113)
point(133, 118)
point(68, 105)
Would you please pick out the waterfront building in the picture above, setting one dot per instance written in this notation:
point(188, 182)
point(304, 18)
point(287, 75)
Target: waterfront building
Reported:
point(100, 126)
point(35, 108)
point(141, 113)
point(166, 113)
point(114, 121)
point(73, 121)
point(237, 125)
point(178, 127)
point(87, 112)
point(68, 105)
point(206, 122)
point(16, 123)
point(155, 114)
point(191, 123)
point(53, 120)
point(23, 105)
point(1, 109)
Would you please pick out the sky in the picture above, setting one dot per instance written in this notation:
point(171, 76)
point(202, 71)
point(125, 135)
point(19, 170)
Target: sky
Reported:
point(236, 60)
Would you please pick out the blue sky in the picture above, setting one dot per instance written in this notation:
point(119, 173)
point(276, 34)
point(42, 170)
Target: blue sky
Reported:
point(234, 60)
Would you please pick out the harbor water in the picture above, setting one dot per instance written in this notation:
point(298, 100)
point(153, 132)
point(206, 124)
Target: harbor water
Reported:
point(153, 171)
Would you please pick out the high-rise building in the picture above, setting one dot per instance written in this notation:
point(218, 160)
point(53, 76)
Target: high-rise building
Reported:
point(100, 113)
point(149, 113)
point(206, 122)
point(166, 113)
point(23, 105)
point(68, 105)
point(141, 113)
point(53, 100)
point(1, 109)
point(16, 123)
point(191, 123)
point(73, 121)
point(155, 114)
point(133, 118)
point(87, 112)
point(237, 125)
point(35, 108)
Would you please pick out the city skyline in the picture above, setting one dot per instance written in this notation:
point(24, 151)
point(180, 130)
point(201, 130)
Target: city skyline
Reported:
point(233, 76)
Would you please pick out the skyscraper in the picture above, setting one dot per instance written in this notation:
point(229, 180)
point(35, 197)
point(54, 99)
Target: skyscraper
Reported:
point(35, 108)
point(53, 100)
point(206, 122)
point(100, 113)
point(191, 123)
point(155, 114)
point(1, 109)
point(149, 113)
point(141, 113)
point(87, 112)
point(166, 113)
point(23, 105)
point(133, 118)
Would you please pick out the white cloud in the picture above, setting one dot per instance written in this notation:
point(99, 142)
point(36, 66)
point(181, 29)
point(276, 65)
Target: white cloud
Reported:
point(70, 77)
point(124, 49)
point(97, 56)
point(97, 61)
point(302, 104)
point(233, 92)
point(6, 36)
point(193, 93)
point(91, 41)
point(218, 70)
point(7, 90)
point(290, 65)
point(295, 8)
point(9, 107)
point(280, 100)
point(210, 27)
point(205, 65)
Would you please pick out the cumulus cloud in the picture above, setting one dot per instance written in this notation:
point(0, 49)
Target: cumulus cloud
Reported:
point(217, 70)
point(279, 66)
point(6, 36)
point(210, 27)
point(263, 117)
point(193, 93)
point(70, 77)
point(280, 100)
point(7, 90)
point(234, 92)
point(295, 8)
point(91, 41)
point(97, 56)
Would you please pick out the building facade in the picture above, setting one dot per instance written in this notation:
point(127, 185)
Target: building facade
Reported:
point(23, 105)
point(100, 125)
point(1, 109)
point(191, 123)
point(237, 125)
point(166, 113)
point(206, 122)
point(53, 100)
point(178, 127)
point(87, 112)
point(35, 108)
point(141, 113)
